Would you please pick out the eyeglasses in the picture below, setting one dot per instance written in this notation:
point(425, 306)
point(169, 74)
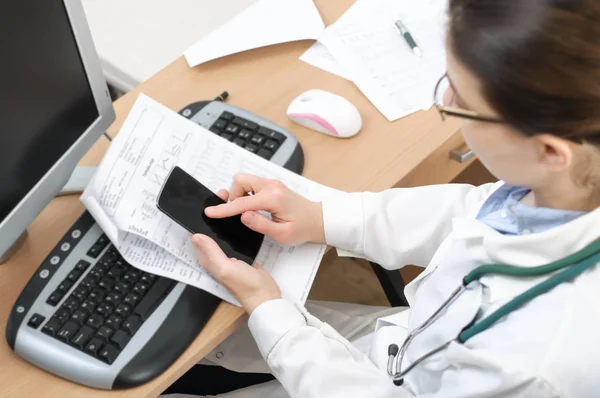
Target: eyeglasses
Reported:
point(438, 99)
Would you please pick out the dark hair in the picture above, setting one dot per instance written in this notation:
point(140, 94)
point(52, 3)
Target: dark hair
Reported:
point(538, 61)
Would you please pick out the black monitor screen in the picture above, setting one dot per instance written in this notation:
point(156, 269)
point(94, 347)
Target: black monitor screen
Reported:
point(45, 100)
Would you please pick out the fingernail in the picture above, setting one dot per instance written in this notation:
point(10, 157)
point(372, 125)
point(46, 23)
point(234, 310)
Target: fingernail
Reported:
point(248, 215)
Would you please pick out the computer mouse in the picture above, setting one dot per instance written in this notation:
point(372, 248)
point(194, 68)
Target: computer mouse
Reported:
point(326, 113)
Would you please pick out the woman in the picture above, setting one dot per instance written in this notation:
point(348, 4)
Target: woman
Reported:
point(524, 77)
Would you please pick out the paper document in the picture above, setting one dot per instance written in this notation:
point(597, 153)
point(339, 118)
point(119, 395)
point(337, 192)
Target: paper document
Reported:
point(369, 48)
point(318, 55)
point(122, 198)
point(262, 24)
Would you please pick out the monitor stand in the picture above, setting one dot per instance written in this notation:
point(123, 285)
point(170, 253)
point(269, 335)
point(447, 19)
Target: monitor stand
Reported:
point(13, 248)
point(81, 177)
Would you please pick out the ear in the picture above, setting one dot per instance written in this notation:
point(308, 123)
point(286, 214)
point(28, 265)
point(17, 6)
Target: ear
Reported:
point(555, 152)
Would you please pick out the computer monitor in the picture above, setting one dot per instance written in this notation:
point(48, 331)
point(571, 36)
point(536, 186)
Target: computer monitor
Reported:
point(54, 105)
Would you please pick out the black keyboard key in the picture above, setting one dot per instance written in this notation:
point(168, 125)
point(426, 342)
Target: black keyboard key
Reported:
point(140, 288)
point(132, 324)
point(108, 353)
point(95, 321)
point(271, 145)
point(264, 153)
point(120, 339)
point(113, 298)
point(227, 116)
point(131, 299)
point(88, 306)
point(215, 130)
point(245, 123)
point(94, 251)
point(89, 282)
point(68, 330)
point(62, 315)
point(81, 293)
point(130, 277)
point(220, 123)
point(251, 147)
point(148, 278)
point(245, 134)
point(103, 240)
point(116, 272)
point(96, 274)
point(55, 297)
point(104, 333)
point(232, 128)
point(114, 322)
point(51, 327)
point(93, 346)
point(123, 310)
point(153, 298)
point(74, 276)
point(104, 309)
point(71, 303)
point(123, 288)
point(137, 274)
point(82, 265)
point(64, 286)
point(102, 268)
point(82, 337)
point(97, 248)
point(239, 142)
point(36, 320)
point(79, 317)
point(107, 283)
point(97, 295)
point(257, 139)
point(274, 135)
point(227, 136)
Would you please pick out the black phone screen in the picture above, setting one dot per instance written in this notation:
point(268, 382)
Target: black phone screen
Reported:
point(184, 199)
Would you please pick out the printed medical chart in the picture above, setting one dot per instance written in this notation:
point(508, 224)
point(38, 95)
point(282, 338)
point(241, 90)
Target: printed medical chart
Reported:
point(122, 198)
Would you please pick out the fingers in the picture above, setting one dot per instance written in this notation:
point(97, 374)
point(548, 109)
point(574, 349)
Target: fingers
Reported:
point(244, 183)
point(241, 205)
point(210, 254)
point(261, 224)
point(223, 194)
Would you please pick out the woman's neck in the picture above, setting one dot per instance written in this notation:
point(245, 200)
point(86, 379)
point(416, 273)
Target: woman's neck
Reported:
point(564, 196)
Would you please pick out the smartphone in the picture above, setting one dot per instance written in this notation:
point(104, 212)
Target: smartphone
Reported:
point(184, 199)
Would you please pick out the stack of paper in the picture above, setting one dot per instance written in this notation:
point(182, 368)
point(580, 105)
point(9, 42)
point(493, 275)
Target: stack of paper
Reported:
point(364, 46)
point(264, 23)
point(122, 199)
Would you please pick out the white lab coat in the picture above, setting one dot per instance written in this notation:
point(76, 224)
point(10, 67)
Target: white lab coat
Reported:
point(548, 348)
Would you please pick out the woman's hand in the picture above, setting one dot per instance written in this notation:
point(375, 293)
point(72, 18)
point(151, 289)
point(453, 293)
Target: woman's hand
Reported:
point(250, 285)
point(295, 219)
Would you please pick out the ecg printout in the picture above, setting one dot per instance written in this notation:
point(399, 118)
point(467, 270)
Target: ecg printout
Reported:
point(367, 45)
point(122, 198)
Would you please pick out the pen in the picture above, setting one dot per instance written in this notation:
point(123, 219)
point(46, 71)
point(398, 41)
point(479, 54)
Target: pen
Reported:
point(222, 97)
point(409, 39)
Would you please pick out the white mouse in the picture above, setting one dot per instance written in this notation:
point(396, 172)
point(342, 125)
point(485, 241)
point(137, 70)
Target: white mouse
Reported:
point(326, 113)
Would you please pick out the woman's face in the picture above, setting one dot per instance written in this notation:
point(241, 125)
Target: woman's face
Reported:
point(507, 154)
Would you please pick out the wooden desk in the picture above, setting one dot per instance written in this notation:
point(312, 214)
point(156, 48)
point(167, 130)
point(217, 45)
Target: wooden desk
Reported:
point(413, 150)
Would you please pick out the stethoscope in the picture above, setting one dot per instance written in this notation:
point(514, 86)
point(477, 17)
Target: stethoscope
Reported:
point(570, 267)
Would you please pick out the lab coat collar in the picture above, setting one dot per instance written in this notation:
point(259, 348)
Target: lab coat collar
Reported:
point(534, 249)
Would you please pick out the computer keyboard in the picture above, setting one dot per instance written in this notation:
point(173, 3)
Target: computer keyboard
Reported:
point(89, 316)
point(106, 309)
point(249, 131)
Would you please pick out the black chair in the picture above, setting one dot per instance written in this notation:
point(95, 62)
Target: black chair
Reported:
point(392, 284)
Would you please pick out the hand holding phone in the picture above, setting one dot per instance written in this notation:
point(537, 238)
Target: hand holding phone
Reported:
point(184, 199)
